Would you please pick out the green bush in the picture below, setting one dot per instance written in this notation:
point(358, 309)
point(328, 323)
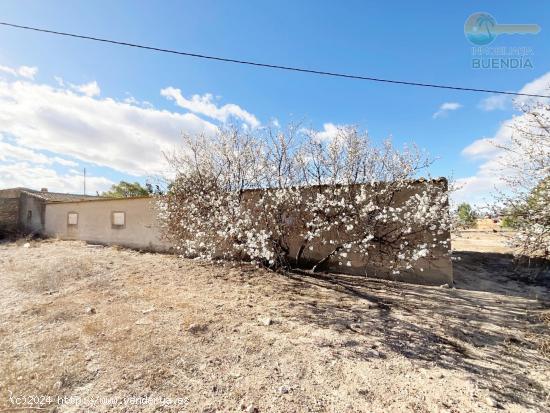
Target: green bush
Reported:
point(467, 218)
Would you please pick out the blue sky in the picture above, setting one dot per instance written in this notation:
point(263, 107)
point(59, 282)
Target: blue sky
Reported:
point(124, 114)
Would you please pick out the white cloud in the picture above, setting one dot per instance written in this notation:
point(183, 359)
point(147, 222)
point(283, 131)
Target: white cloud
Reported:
point(494, 102)
point(33, 176)
point(27, 72)
point(480, 187)
point(90, 89)
point(539, 86)
point(205, 106)
point(9, 70)
point(22, 71)
point(133, 101)
point(486, 148)
point(445, 108)
point(104, 132)
point(64, 162)
point(329, 132)
point(43, 125)
point(475, 190)
point(9, 152)
point(480, 148)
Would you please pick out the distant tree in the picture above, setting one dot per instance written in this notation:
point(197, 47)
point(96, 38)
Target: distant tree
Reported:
point(466, 216)
point(509, 220)
point(127, 190)
point(154, 189)
point(520, 214)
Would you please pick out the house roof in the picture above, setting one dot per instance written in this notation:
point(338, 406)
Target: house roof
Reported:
point(99, 198)
point(50, 196)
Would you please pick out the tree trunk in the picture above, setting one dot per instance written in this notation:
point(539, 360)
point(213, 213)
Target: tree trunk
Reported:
point(328, 257)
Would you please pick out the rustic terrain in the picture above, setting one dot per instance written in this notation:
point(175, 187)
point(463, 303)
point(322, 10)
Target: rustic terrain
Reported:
point(100, 325)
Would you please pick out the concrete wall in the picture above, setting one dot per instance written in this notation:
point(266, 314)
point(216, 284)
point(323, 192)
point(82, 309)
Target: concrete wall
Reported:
point(95, 222)
point(435, 272)
point(32, 211)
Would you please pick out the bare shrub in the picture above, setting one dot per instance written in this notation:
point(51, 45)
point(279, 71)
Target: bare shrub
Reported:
point(54, 272)
point(279, 197)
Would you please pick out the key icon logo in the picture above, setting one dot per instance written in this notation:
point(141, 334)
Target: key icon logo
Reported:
point(482, 29)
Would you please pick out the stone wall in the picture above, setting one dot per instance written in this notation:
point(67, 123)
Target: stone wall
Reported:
point(9, 213)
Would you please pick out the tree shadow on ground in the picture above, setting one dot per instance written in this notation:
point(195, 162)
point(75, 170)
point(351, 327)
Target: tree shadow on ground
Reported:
point(501, 273)
point(488, 336)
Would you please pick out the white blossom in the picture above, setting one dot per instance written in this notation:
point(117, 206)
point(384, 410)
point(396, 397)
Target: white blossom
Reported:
point(242, 196)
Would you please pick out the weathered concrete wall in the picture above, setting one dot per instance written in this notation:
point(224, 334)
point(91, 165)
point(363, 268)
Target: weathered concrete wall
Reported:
point(434, 272)
point(32, 212)
point(141, 230)
point(95, 223)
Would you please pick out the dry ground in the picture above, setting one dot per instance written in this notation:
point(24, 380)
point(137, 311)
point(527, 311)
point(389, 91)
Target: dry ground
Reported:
point(482, 241)
point(93, 322)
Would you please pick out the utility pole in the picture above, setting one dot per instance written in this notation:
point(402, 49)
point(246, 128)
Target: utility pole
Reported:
point(84, 181)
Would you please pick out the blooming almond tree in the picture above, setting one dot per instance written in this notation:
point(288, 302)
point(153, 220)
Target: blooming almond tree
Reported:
point(291, 199)
point(525, 201)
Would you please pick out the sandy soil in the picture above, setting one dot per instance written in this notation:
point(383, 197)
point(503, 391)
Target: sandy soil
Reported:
point(101, 325)
point(482, 241)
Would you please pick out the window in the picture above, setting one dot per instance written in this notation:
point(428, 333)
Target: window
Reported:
point(118, 219)
point(72, 218)
point(29, 216)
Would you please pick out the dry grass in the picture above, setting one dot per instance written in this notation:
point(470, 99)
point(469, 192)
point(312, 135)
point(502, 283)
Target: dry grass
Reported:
point(162, 326)
point(51, 273)
point(544, 339)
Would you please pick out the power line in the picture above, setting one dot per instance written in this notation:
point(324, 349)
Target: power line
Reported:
point(272, 66)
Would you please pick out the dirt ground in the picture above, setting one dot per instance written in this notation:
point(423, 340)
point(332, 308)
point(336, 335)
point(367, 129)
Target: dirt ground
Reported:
point(88, 328)
point(482, 241)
